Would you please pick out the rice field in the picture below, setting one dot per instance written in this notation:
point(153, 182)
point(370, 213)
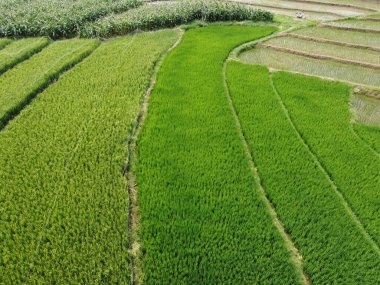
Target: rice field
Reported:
point(360, 56)
point(20, 50)
point(351, 37)
point(189, 142)
point(323, 68)
point(365, 25)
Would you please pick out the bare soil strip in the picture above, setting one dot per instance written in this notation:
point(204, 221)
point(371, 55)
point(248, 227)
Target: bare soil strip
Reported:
point(350, 28)
point(295, 255)
point(322, 40)
point(314, 156)
point(134, 224)
point(325, 57)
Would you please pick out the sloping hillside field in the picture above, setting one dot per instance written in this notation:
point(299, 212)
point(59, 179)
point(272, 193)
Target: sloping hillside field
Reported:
point(190, 142)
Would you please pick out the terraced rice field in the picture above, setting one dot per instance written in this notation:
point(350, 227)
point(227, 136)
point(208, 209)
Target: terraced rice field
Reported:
point(197, 153)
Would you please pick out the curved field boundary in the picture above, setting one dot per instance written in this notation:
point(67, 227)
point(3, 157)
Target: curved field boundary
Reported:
point(322, 40)
point(65, 200)
point(352, 166)
point(350, 28)
point(20, 85)
point(20, 50)
point(134, 221)
point(203, 219)
point(318, 56)
point(330, 240)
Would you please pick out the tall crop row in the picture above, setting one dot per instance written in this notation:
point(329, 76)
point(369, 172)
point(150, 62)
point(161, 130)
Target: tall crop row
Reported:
point(4, 42)
point(333, 248)
point(370, 134)
point(55, 18)
point(62, 192)
point(20, 50)
point(320, 110)
point(160, 15)
point(203, 221)
point(23, 82)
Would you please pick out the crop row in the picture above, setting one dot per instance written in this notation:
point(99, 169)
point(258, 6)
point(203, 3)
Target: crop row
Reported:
point(321, 113)
point(159, 15)
point(20, 84)
point(20, 50)
point(370, 134)
point(62, 192)
point(333, 248)
point(203, 220)
point(55, 18)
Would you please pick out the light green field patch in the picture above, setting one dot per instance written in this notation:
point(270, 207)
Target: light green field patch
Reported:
point(323, 68)
point(63, 196)
point(367, 110)
point(317, 48)
point(4, 42)
point(352, 37)
point(357, 24)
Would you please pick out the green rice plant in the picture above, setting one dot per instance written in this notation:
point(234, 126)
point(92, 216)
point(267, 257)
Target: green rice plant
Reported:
point(356, 24)
point(333, 248)
point(55, 18)
point(22, 83)
point(20, 50)
point(370, 134)
point(63, 195)
point(325, 49)
point(320, 111)
point(324, 68)
point(202, 218)
point(159, 15)
point(4, 42)
point(351, 37)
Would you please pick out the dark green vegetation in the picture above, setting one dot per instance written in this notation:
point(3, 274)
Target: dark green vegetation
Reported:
point(62, 192)
point(159, 15)
point(370, 134)
point(20, 84)
point(203, 220)
point(320, 112)
point(55, 18)
point(20, 50)
point(334, 247)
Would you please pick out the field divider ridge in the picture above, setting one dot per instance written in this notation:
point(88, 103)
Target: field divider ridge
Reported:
point(320, 165)
point(295, 254)
point(322, 57)
point(323, 40)
point(333, 4)
point(133, 227)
